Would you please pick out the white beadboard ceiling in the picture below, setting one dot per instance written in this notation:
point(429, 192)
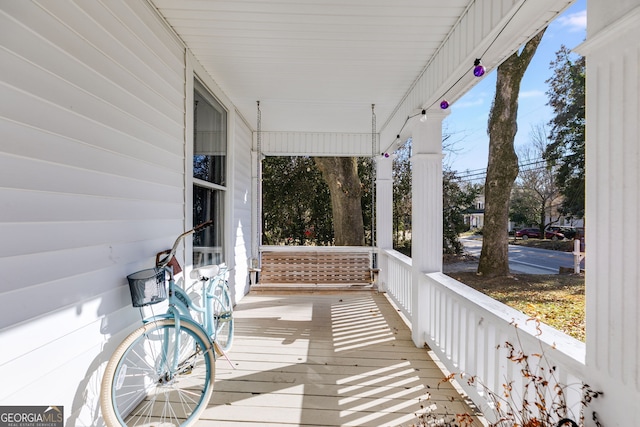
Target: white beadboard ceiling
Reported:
point(318, 65)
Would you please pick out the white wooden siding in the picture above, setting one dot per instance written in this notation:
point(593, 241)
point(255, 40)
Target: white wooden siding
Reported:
point(91, 187)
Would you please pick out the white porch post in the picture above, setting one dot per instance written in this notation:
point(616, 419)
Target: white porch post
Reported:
point(426, 218)
point(613, 203)
point(384, 213)
point(256, 209)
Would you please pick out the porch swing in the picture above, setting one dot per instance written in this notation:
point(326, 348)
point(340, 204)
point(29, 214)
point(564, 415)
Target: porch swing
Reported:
point(346, 268)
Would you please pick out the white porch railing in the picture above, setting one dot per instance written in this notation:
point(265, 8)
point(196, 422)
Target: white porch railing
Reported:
point(397, 283)
point(464, 329)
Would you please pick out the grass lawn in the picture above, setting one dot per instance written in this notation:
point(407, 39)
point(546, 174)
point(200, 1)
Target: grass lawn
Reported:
point(557, 300)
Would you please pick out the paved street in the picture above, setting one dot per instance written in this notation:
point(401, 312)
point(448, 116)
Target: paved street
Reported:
point(527, 260)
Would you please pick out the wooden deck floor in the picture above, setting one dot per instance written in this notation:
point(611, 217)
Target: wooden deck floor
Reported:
point(317, 359)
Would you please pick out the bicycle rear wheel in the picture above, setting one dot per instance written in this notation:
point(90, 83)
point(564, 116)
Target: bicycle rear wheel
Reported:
point(223, 318)
point(158, 376)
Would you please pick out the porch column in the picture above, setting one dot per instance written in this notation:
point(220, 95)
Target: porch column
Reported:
point(384, 213)
point(426, 218)
point(612, 238)
point(256, 210)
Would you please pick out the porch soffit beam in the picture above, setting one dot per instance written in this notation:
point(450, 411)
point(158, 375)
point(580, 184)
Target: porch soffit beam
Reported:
point(488, 30)
point(317, 144)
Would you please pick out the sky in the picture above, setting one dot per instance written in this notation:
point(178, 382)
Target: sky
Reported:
point(467, 122)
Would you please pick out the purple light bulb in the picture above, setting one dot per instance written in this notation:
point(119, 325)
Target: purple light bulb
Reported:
point(478, 69)
point(444, 104)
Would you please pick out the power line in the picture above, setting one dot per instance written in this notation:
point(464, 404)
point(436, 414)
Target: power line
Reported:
point(521, 166)
point(480, 174)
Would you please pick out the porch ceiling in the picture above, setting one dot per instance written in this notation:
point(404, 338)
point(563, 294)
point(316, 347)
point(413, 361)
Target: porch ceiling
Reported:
point(318, 65)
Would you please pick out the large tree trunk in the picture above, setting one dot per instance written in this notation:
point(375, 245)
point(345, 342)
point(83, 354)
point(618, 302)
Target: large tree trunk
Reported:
point(502, 169)
point(341, 175)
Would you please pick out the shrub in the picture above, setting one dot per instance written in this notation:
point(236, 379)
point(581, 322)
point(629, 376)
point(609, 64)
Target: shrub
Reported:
point(540, 401)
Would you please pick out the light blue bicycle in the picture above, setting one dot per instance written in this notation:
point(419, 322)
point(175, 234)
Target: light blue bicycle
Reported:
point(162, 374)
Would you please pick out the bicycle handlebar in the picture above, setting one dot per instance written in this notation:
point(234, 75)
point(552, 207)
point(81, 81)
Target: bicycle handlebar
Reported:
point(171, 252)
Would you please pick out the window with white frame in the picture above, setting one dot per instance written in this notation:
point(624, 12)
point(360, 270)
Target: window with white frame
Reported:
point(209, 176)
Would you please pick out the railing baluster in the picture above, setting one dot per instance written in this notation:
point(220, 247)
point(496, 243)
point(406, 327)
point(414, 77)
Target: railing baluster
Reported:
point(464, 328)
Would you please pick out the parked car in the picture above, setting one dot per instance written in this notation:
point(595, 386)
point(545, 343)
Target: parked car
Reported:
point(560, 232)
point(553, 233)
point(525, 233)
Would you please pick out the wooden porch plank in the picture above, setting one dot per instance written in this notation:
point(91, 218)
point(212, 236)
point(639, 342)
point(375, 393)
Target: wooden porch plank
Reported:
point(324, 360)
point(273, 355)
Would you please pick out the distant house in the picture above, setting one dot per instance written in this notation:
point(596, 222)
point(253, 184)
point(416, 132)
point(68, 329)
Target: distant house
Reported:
point(474, 216)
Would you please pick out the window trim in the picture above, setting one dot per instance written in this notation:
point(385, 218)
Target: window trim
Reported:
point(193, 84)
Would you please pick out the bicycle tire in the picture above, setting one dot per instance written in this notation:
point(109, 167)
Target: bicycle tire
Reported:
point(223, 318)
point(138, 386)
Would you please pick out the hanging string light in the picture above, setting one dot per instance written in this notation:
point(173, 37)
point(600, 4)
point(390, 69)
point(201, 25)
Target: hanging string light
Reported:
point(479, 70)
point(398, 141)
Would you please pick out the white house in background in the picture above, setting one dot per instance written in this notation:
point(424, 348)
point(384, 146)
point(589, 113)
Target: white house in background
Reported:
point(105, 104)
point(474, 216)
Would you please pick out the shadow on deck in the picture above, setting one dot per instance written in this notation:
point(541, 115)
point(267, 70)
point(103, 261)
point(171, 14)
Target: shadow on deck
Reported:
point(325, 359)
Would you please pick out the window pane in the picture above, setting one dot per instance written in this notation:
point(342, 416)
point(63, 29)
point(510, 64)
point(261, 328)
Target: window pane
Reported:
point(208, 243)
point(210, 139)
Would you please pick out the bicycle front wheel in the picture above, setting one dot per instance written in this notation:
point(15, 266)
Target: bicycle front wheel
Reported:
point(159, 375)
point(223, 318)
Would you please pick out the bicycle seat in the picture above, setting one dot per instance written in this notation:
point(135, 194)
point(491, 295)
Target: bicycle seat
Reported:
point(207, 272)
